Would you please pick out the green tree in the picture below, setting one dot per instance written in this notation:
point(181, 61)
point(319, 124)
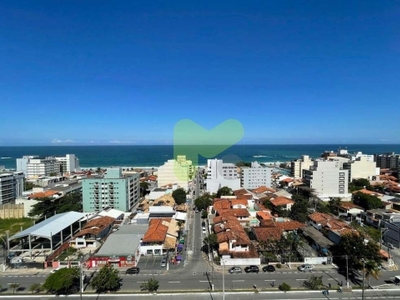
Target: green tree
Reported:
point(203, 201)
point(313, 283)
point(243, 164)
point(144, 186)
point(224, 191)
point(284, 287)
point(179, 196)
point(35, 288)
point(359, 184)
point(14, 286)
point(63, 281)
point(333, 205)
point(211, 241)
point(107, 279)
point(371, 270)
point(367, 201)
point(356, 245)
point(299, 211)
point(150, 285)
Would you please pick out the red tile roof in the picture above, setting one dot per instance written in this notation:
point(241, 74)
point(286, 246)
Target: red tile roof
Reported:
point(240, 201)
point(221, 204)
point(157, 231)
point(267, 233)
point(238, 212)
point(290, 225)
point(263, 189)
point(280, 201)
point(45, 194)
point(262, 215)
point(96, 226)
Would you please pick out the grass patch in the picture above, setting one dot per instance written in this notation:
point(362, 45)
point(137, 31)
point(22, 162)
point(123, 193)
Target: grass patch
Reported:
point(14, 225)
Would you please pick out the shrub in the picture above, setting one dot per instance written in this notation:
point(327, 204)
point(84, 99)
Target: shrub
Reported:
point(278, 266)
point(284, 287)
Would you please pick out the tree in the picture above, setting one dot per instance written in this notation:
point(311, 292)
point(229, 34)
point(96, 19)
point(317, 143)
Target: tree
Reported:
point(14, 286)
point(299, 211)
point(371, 269)
point(179, 196)
point(35, 288)
point(367, 201)
point(203, 201)
point(314, 283)
point(333, 205)
point(64, 281)
point(144, 186)
point(211, 241)
point(284, 287)
point(359, 184)
point(107, 279)
point(224, 191)
point(355, 246)
point(150, 285)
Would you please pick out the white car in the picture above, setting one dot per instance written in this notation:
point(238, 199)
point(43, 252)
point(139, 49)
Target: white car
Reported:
point(305, 268)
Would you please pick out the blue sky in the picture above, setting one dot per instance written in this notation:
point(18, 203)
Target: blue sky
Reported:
point(125, 72)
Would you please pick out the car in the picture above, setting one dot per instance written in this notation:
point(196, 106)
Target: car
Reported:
point(252, 269)
point(268, 268)
point(305, 268)
point(235, 270)
point(163, 262)
point(133, 270)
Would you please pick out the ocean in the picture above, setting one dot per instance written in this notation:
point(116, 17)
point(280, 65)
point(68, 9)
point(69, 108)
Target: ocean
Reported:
point(155, 156)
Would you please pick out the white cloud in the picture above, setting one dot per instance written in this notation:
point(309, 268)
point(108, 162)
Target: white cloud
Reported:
point(121, 142)
point(57, 141)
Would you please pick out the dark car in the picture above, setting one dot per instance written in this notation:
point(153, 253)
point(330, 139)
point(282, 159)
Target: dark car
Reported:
point(268, 268)
point(252, 269)
point(133, 270)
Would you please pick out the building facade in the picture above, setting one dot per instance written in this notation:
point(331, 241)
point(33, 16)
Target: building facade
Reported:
point(256, 176)
point(11, 186)
point(220, 174)
point(68, 163)
point(297, 166)
point(176, 171)
point(112, 191)
point(327, 179)
point(361, 167)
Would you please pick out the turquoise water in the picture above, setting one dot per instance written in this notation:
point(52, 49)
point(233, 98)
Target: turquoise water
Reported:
point(155, 156)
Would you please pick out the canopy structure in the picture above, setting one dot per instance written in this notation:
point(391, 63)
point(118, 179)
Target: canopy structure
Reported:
point(49, 227)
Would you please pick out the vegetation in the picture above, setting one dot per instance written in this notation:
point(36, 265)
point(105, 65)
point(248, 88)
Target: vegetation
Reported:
point(144, 186)
point(224, 191)
point(63, 281)
point(179, 196)
point(107, 279)
point(359, 184)
point(203, 201)
point(284, 287)
point(211, 241)
point(46, 207)
point(355, 246)
point(35, 288)
point(371, 269)
point(299, 211)
point(367, 201)
point(243, 164)
point(150, 285)
point(14, 286)
point(14, 225)
point(314, 283)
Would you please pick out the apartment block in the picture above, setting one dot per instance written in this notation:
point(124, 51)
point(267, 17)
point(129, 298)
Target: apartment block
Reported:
point(11, 186)
point(297, 166)
point(255, 176)
point(113, 190)
point(176, 171)
point(220, 174)
point(327, 179)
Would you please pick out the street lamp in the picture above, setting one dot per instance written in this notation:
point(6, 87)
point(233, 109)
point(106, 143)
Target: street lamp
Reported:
point(383, 231)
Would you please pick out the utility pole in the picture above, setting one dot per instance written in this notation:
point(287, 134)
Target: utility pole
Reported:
point(363, 280)
point(223, 279)
point(81, 277)
point(347, 271)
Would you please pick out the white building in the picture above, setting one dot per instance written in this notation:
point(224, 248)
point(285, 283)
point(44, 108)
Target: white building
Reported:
point(11, 186)
point(327, 179)
point(256, 176)
point(68, 163)
point(176, 171)
point(362, 167)
point(297, 166)
point(220, 174)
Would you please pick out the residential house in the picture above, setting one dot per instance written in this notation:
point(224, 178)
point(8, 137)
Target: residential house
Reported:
point(282, 202)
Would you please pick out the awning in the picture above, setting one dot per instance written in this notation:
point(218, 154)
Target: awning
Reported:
point(180, 246)
point(178, 257)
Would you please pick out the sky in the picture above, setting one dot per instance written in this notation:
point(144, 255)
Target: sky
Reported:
point(126, 72)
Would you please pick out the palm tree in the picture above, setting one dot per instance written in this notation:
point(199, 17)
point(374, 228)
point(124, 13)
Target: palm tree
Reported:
point(371, 269)
point(14, 286)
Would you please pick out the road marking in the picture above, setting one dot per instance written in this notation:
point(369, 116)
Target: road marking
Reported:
point(269, 280)
point(301, 279)
point(239, 280)
point(174, 282)
point(203, 280)
point(140, 281)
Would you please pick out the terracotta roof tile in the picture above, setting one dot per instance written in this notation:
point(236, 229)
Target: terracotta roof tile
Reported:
point(290, 225)
point(238, 212)
point(262, 215)
point(240, 201)
point(221, 204)
point(96, 226)
point(267, 233)
point(157, 231)
point(263, 189)
point(280, 201)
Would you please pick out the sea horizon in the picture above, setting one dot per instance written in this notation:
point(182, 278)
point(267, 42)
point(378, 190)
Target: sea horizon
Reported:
point(148, 156)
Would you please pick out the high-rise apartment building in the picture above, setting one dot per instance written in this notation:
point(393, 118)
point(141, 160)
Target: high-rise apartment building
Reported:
point(255, 176)
point(220, 174)
point(327, 179)
point(113, 190)
point(177, 171)
point(35, 166)
point(297, 166)
point(11, 186)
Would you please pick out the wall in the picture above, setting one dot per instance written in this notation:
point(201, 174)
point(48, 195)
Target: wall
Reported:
point(240, 261)
point(11, 211)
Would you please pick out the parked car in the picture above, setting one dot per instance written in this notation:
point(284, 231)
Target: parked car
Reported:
point(252, 269)
point(235, 270)
point(268, 268)
point(133, 270)
point(163, 262)
point(305, 268)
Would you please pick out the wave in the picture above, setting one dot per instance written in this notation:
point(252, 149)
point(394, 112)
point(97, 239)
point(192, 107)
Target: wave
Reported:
point(260, 155)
